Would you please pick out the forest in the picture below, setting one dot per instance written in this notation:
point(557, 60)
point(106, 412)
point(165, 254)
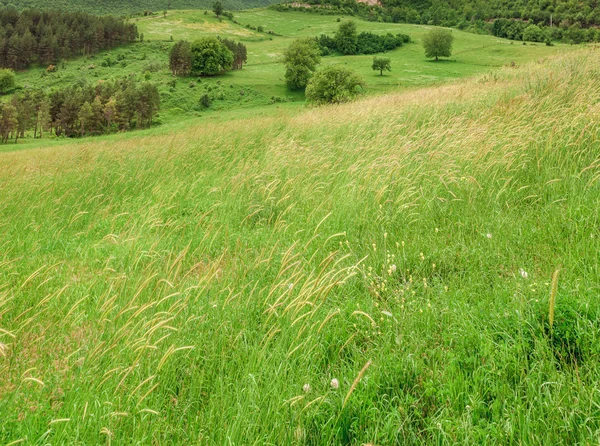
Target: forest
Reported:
point(45, 37)
point(568, 21)
point(81, 110)
point(132, 7)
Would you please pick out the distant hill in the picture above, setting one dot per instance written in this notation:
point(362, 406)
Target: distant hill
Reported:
point(120, 7)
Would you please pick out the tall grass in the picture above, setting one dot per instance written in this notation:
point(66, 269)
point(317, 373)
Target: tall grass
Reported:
point(205, 287)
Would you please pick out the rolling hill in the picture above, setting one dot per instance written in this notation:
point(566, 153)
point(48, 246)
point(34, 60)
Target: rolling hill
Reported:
point(124, 7)
point(419, 267)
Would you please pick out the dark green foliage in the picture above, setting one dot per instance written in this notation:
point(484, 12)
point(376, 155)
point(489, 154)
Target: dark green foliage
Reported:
point(217, 8)
point(438, 43)
point(572, 337)
point(382, 63)
point(533, 33)
point(301, 59)
point(180, 58)
point(210, 57)
point(326, 44)
point(558, 20)
point(333, 85)
point(239, 51)
point(346, 38)
point(8, 121)
point(82, 109)
point(205, 100)
point(7, 80)
point(46, 37)
point(366, 43)
point(139, 7)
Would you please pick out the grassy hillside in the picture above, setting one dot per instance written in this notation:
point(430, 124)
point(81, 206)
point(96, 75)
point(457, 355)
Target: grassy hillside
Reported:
point(124, 7)
point(205, 286)
point(261, 82)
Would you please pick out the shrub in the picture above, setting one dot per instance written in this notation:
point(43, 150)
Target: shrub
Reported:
point(335, 84)
point(7, 80)
point(205, 100)
point(533, 33)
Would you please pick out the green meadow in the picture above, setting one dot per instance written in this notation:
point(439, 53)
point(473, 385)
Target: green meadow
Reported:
point(418, 267)
point(261, 83)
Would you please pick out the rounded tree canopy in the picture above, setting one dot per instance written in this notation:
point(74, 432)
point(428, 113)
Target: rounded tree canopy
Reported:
point(438, 43)
point(210, 57)
point(334, 84)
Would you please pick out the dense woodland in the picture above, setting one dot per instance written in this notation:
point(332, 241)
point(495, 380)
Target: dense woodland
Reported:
point(80, 110)
point(46, 37)
point(132, 7)
point(569, 21)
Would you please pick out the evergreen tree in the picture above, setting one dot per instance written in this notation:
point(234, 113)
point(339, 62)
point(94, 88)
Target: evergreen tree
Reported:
point(180, 58)
point(8, 121)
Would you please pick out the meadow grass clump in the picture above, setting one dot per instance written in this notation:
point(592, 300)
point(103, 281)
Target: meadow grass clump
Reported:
point(206, 283)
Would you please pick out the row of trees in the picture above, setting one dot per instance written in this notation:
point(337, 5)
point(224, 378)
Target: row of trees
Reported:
point(48, 36)
point(519, 30)
point(81, 110)
point(348, 41)
point(206, 57)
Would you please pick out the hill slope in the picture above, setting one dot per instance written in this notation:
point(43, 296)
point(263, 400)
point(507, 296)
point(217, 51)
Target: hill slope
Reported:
point(117, 7)
point(206, 286)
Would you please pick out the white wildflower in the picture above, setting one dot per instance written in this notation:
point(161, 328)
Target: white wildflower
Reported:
point(523, 273)
point(306, 388)
point(335, 384)
point(393, 268)
point(488, 235)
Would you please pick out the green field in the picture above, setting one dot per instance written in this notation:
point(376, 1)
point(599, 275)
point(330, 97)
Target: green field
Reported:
point(260, 83)
point(204, 282)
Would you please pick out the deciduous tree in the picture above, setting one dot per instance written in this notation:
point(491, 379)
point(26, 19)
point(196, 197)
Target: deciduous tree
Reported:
point(301, 59)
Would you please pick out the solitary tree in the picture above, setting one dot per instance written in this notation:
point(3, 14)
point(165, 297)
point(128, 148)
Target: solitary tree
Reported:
point(382, 63)
point(210, 57)
point(218, 8)
point(438, 43)
point(334, 84)
point(301, 59)
point(346, 38)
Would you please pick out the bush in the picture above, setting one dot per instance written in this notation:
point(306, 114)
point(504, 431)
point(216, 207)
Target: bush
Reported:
point(533, 33)
point(7, 80)
point(332, 85)
point(205, 100)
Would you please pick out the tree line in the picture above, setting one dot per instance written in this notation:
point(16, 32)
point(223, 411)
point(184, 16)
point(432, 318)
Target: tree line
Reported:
point(207, 56)
point(80, 110)
point(45, 37)
point(348, 41)
point(566, 20)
